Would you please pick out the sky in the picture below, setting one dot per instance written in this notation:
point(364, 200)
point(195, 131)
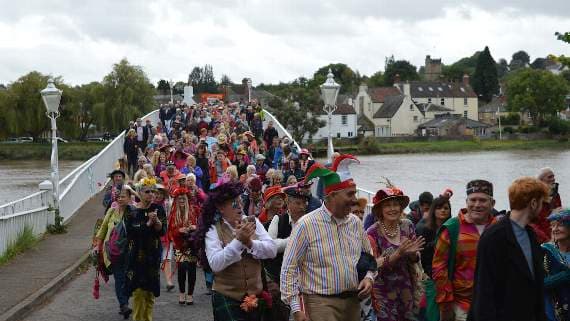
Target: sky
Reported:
point(266, 40)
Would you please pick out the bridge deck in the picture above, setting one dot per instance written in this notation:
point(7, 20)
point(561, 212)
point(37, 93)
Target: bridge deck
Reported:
point(35, 268)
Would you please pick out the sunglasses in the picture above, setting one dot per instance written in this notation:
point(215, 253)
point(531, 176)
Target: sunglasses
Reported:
point(148, 191)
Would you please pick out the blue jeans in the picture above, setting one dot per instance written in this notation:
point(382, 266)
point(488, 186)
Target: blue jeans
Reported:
point(120, 276)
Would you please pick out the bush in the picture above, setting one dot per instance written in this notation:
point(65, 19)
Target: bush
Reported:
point(508, 130)
point(511, 119)
point(558, 126)
point(24, 241)
point(529, 129)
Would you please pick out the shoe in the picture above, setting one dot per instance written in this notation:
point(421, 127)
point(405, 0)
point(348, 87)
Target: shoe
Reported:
point(126, 311)
point(169, 288)
point(182, 299)
point(189, 300)
point(209, 291)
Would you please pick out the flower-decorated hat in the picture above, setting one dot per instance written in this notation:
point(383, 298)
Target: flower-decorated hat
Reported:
point(179, 191)
point(389, 193)
point(562, 217)
point(271, 192)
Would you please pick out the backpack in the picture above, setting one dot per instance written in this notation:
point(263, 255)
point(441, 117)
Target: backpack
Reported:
point(116, 246)
point(452, 226)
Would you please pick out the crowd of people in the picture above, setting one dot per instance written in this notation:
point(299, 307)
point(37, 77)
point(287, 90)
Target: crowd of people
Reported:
point(280, 236)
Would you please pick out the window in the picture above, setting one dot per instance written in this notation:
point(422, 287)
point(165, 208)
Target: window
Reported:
point(465, 101)
point(344, 120)
point(462, 89)
point(415, 119)
point(442, 101)
point(361, 104)
point(430, 88)
point(420, 89)
point(337, 135)
point(349, 134)
point(440, 89)
point(429, 100)
point(465, 114)
point(411, 107)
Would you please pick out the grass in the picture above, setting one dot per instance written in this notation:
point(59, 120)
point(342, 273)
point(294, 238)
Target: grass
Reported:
point(25, 241)
point(66, 151)
point(374, 147)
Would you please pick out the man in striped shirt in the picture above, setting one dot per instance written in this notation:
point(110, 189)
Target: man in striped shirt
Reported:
point(319, 279)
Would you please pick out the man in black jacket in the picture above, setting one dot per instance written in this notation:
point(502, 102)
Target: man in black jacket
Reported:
point(509, 273)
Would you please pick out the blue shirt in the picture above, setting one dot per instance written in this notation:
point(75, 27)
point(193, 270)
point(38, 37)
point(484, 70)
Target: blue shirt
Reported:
point(521, 235)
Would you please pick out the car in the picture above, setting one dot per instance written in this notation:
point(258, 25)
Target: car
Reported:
point(19, 140)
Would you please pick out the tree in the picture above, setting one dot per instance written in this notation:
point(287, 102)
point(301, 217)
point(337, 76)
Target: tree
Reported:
point(485, 79)
point(537, 92)
point(225, 80)
point(195, 78)
point(128, 94)
point(403, 68)
point(208, 80)
point(297, 121)
point(179, 88)
point(163, 87)
point(562, 59)
point(343, 75)
point(464, 66)
point(502, 68)
point(376, 80)
point(538, 63)
point(522, 56)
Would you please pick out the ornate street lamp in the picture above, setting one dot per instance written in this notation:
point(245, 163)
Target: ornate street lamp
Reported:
point(329, 93)
point(51, 97)
point(249, 90)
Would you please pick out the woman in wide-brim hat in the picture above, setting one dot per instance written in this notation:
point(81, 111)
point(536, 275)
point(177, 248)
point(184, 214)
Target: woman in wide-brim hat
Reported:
point(229, 251)
point(396, 250)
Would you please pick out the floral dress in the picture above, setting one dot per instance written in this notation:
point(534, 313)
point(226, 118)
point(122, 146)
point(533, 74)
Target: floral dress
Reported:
point(556, 283)
point(393, 291)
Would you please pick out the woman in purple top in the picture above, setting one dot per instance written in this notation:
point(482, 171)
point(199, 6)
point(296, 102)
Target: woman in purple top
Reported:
point(396, 248)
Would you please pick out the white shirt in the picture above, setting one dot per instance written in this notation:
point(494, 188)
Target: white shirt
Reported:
point(220, 257)
point(139, 133)
point(273, 231)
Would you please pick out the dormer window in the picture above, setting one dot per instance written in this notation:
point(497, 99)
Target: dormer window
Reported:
point(420, 89)
point(440, 89)
point(430, 88)
point(462, 89)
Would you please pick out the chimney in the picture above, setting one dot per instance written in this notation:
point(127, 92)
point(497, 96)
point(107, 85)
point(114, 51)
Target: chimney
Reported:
point(407, 89)
point(466, 80)
point(350, 101)
point(397, 78)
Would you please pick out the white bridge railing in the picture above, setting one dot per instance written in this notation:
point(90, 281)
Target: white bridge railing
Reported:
point(283, 132)
point(79, 186)
point(76, 188)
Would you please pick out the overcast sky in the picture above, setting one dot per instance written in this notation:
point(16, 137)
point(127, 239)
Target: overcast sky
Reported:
point(267, 40)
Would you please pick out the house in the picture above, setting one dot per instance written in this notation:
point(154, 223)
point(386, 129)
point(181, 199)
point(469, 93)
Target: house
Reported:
point(497, 107)
point(369, 100)
point(430, 110)
point(343, 121)
point(453, 125)
point(240, 92)
point(398, 115)
point(457, 96)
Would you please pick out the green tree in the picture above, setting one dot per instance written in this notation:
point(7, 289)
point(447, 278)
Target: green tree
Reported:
point(538, 63)
point(86, 99)
point(403, 68)
point(537, 92)
point(208, 80)
point(522, 56)
point(348, 79)
point(464, 66)
point(195, 79)
point(128, 94)
point(562, 59)
point(502, 68)
point(225, 80)
point(297, 121)
point(163, 87)
point(485, 79)
point(376, 80)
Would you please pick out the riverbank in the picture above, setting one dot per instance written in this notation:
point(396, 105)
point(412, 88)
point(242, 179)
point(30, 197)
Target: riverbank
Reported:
point(374, 147)
point(66, 151)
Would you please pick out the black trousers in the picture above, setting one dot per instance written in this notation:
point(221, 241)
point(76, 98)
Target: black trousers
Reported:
point(186, 268)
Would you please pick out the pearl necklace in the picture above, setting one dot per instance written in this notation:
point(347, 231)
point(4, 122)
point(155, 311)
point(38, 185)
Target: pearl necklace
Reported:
point(391, 233)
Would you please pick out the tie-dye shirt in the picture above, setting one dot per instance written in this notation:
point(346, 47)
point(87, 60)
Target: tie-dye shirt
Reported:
point(459, 290)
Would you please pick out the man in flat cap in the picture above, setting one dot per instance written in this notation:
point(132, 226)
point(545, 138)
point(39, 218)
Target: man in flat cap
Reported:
point(455, 254)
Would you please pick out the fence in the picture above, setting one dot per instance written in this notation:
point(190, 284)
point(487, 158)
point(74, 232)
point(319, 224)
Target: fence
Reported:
point(76, 188)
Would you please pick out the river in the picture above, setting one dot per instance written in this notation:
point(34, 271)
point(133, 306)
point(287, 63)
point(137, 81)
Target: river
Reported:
point(21, 178)
point(415, 173)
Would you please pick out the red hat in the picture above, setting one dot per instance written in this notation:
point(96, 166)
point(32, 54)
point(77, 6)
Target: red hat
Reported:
point(272, 191)
point(179, 191)
point(180, 176)
point(385, 194)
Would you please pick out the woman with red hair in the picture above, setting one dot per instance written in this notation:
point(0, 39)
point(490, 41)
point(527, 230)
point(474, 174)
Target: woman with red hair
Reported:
point(182, 222)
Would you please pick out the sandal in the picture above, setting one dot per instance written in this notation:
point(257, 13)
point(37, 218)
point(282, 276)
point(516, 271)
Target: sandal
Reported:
point(189, 300)
point(182, 299)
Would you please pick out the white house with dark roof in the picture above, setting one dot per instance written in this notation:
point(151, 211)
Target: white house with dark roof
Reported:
point(398, 115)
point(343, 121)
point(457, 96)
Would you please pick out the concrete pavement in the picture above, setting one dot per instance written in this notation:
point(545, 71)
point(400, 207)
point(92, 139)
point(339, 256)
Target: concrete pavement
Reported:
point(31, 271)
point(75, 302)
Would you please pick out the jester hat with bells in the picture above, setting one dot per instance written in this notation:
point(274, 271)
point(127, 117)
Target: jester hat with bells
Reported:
point(338, 177)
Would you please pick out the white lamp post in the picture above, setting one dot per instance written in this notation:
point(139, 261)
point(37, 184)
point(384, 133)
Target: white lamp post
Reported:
point(51, 97)
point(171, 88)
point(249, 90)
point(499, 119)
point(329, 93)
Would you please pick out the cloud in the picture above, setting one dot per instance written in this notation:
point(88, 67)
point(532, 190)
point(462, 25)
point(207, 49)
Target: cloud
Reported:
point(267, 40)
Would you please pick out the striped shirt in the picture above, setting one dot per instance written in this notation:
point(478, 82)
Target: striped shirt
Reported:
point(321, 256)
point(459, 290)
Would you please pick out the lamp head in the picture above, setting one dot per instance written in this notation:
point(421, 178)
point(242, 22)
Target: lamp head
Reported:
point(51, 97)
point(329, 90)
